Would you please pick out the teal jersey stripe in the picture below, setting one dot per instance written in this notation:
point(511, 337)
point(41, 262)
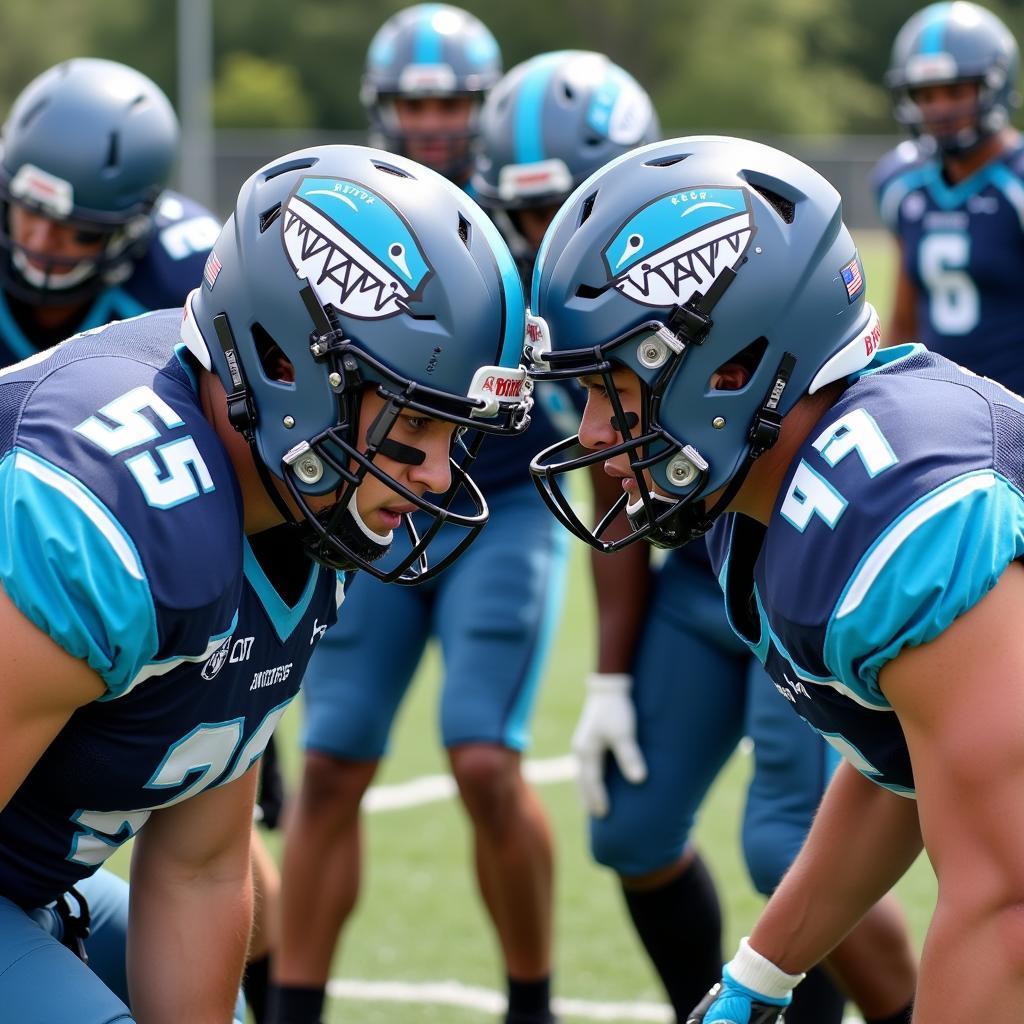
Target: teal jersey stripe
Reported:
point(284, 618)
point(69, 567)
point(950, 197)
point(932, 564)
point(164, 665)
point(885, 357)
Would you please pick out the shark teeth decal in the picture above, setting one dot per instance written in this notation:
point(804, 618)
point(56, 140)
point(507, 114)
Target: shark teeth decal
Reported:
point(672, 274)
point(341, 272)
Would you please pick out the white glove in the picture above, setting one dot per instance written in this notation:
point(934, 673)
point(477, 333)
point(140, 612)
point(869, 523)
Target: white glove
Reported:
point(607, 723)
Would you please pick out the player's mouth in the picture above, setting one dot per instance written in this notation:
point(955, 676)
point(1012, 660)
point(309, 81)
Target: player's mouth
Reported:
point(391, 517)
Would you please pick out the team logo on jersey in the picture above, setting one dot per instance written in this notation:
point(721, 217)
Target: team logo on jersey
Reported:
point(353, 247)
point(216, 661)
point(679, 244)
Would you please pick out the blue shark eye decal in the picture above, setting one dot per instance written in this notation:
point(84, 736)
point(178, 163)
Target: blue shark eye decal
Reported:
point(353, 247)
point(679, 244)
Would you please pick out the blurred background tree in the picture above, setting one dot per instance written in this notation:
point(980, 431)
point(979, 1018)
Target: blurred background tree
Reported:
point(806, 74)
point(792, 66)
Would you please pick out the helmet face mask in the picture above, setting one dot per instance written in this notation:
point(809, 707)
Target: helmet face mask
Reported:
point(370, 274)
point(954, 45)
point(676, 262)
point(88, 144)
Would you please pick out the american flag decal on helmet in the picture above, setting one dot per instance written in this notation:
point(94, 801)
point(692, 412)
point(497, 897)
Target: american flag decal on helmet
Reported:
point(853, 278)
point(211, 270)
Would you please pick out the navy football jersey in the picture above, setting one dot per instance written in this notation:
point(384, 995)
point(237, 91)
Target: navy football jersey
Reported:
point(123, 541)
point(962, 247)
point(898, 514)
point(172, 265)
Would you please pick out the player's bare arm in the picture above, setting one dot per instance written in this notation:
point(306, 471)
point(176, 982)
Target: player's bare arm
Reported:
point(961, 704)
point(191, 907)
point(41, 685)
point(858, 823)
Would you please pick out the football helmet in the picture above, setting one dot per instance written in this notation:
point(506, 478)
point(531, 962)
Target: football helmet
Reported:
point(89, 143)
point(428, 50)
point(363, 270)
point(549, 124)
point(955, 42)
point(671, 261)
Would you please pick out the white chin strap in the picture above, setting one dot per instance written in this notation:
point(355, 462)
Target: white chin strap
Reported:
point(54, 282)
point(383, 539)
point(632, 507)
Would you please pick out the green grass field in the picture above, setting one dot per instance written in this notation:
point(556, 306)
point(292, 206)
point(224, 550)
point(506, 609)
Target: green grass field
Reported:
point(420, 920)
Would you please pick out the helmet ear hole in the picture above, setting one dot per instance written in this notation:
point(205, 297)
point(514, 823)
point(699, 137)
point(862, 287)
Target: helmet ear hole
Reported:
point(276, 366)
point(749, 357)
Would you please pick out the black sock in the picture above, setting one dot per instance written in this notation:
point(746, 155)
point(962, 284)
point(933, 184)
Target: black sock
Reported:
point(295, 1004)
point(816, 1000)
point(680, 925)
point(529, 1002)
point(899, 1017)
point(254, 986)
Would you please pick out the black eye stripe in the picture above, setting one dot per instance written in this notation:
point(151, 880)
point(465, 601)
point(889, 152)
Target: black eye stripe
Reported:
point(631, 421)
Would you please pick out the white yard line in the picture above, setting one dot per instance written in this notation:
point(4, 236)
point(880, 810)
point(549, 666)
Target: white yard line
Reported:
point(428, 789)
point(484, 1000)
point(469, 997)
point(431, 789)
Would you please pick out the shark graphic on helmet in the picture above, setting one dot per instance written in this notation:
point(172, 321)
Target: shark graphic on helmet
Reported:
point(355, 250)
point(679, 244)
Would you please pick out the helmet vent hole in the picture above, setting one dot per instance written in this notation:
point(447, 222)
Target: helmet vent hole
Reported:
point(391, 169)
point(587, 208)
point(267, 217)
point(785, 208)
point(33, 112)
point(593, 141)
point(113, 151)
point(464, 230)
point(588, 291)
point(289, 165)
point(667, 161)
point(568, 92)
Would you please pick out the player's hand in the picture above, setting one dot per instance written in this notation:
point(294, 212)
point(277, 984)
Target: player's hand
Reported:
point(752, 991)
point(607, 723)
point(728, 1003)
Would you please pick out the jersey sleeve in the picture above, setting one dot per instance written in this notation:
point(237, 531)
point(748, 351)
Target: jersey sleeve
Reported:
point(72, 570)
point(897, 173)
point(929, 566)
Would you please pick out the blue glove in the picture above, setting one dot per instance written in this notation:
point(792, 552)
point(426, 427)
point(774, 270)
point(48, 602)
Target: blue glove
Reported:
point(752, 991)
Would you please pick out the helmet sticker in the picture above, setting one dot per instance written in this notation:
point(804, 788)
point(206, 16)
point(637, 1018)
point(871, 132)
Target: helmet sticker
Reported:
point(353, 247)
point(853, 279)
point(37, 187)
point(679, 244)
